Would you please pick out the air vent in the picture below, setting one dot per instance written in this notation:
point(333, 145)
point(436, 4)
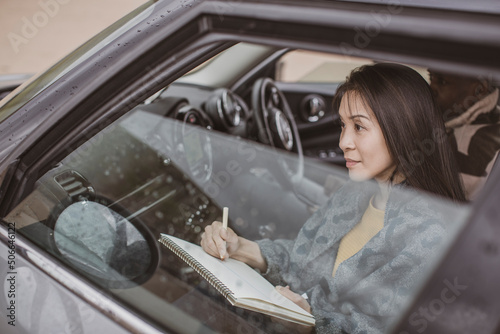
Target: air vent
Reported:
point(313, 108)
point(75, 185)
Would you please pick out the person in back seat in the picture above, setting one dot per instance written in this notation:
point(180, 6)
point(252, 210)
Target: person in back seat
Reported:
point(471, 111)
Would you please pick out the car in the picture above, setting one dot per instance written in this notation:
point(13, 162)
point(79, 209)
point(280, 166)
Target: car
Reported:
point(184, 107)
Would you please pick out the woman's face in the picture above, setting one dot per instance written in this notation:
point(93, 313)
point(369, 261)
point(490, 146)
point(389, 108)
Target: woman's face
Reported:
point(362, 141)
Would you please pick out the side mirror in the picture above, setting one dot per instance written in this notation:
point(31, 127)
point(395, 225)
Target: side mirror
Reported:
point(105, 245)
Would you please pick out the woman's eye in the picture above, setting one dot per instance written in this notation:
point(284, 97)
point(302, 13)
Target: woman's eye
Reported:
point(342, 124)
point(358, 127)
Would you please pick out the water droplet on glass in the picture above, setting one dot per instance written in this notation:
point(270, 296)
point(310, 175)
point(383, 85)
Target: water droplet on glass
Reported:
point(265, 231)
point(240, 222)
point(254, 212)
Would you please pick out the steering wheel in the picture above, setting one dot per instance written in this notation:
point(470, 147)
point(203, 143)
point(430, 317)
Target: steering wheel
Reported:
point(276, 127)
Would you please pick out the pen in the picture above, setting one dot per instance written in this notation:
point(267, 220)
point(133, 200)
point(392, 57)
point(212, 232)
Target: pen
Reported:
point(225, 212)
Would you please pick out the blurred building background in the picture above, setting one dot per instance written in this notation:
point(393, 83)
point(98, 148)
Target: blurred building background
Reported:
point(34, 34)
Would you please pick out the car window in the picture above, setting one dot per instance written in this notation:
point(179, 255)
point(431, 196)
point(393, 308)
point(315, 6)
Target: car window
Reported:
point(319, 67)
point(309, 66)
point(171, 165)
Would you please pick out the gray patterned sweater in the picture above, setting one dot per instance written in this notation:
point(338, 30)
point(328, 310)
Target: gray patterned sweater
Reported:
point(371, 287)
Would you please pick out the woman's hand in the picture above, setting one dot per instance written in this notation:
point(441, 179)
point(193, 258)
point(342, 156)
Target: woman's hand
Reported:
point(294, 328)
point(223, 244)
point(218, 241)
point(294, 297)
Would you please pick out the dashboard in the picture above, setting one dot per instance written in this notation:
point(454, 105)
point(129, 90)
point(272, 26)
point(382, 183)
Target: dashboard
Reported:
point(174, 161)
point(219, 109)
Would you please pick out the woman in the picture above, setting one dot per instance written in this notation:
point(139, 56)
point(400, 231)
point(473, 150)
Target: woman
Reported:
point(359, 255)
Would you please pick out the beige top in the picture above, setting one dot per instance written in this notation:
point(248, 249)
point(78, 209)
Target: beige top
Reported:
point(371, 223)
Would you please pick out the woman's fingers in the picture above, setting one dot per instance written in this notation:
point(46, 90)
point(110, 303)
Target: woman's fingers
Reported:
point(285, 291)
point(213, 241)
point(221, 243)
point(294, 297)
point(208, 243)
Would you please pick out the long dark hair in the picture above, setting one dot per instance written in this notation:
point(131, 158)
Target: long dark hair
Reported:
point(413, 129)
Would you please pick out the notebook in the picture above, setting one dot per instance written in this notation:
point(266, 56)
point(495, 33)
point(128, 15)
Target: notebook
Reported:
point(241, 285)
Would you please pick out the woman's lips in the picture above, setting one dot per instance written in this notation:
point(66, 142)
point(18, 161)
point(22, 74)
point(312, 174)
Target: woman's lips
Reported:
point(350, 163)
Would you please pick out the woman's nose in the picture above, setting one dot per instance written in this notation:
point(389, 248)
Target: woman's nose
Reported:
point(346, 143)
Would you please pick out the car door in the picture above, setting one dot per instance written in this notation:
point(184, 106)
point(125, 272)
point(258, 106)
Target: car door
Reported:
point(33, 302)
